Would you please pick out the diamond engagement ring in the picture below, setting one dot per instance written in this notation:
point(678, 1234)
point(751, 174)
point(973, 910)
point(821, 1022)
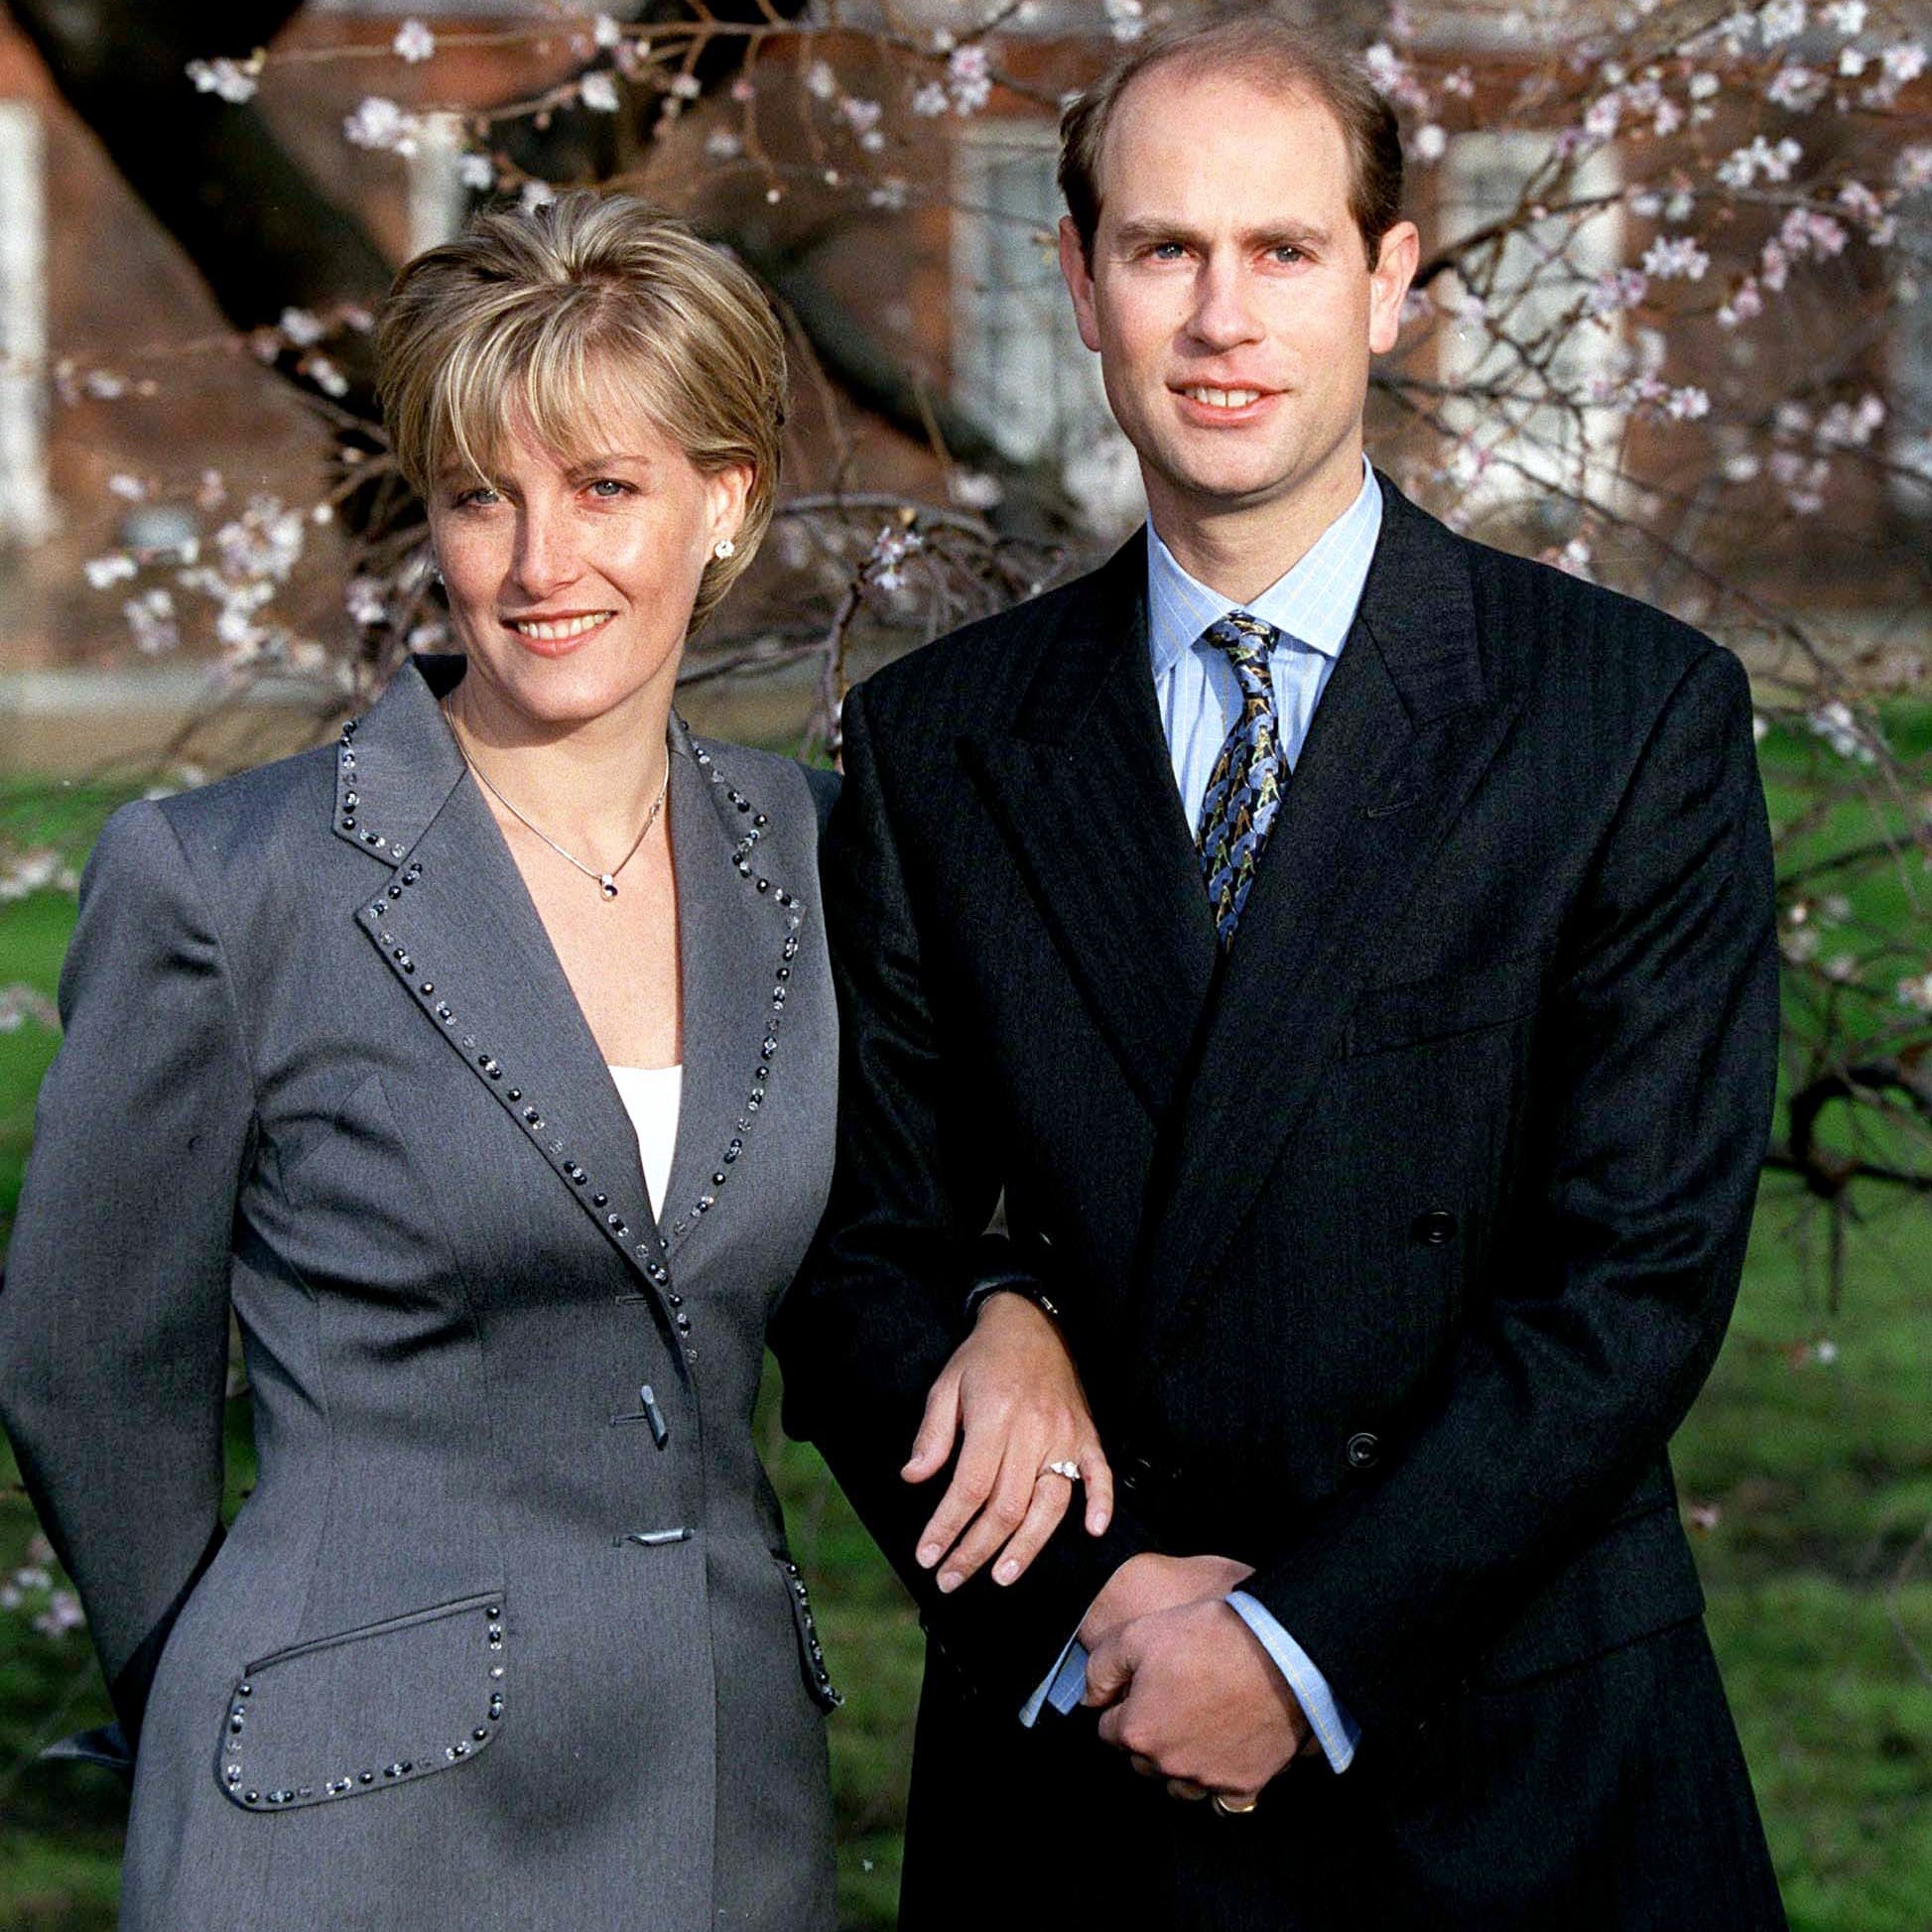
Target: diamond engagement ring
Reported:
point(1066, 1467)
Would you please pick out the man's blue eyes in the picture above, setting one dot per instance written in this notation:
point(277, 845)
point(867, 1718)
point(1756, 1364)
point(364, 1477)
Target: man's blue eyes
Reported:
point(1287, 254)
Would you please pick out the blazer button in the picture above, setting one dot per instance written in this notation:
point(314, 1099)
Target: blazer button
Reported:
point(1435, 1229)
point(1363, 1449)
point(1138, 1473)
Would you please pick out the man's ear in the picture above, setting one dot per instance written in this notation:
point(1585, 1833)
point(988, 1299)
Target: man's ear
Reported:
point(1080, 281)
point(1388, 284)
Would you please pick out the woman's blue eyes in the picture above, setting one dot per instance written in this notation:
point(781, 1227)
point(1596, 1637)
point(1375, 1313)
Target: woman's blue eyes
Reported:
point(606, 489)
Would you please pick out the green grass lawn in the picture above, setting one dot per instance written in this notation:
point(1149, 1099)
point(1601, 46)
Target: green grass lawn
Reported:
point(1809, 1467)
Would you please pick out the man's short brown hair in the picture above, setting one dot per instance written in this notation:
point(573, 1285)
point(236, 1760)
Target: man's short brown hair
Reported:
point(1262, 48)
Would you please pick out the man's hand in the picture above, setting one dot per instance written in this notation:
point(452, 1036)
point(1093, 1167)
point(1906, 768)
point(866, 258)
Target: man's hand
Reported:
point(1011, 1388)
point(1150, 1583)
point(1192, 1697)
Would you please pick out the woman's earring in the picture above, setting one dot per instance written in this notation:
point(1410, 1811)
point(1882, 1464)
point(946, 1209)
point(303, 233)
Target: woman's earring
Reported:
point(723, 548)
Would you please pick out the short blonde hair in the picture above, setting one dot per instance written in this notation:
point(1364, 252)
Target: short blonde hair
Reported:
point(559, 316)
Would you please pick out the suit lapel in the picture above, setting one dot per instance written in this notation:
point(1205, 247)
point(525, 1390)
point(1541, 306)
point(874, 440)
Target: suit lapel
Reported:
point(1083, 788)
point(738, 934)
point(1404, 730)
point(455, 922)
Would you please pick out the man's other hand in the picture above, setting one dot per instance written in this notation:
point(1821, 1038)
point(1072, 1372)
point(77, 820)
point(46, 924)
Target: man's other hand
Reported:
point(1151, 1581)
point(1191, 1696)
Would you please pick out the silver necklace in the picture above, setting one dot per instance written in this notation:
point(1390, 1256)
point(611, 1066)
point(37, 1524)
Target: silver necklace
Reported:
point(606, 881)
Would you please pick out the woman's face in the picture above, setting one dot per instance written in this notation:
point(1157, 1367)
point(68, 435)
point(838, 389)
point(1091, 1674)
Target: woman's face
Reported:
point(571, 583)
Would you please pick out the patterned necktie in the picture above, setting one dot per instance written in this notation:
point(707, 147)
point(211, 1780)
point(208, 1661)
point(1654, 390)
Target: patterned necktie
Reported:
point(1249, 776)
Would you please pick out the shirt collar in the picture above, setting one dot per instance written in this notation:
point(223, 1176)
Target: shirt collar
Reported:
point(1313, 603)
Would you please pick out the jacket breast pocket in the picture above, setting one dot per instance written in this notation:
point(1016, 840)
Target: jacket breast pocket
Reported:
point(366, 1709)
point(1444, 1005)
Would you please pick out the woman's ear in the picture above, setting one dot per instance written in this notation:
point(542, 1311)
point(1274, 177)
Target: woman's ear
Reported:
point(730, 489)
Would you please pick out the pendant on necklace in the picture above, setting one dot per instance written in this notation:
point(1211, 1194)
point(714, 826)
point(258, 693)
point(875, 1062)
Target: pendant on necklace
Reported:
point(608, 885)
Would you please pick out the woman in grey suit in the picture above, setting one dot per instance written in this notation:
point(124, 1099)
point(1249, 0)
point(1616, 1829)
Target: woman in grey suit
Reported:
point(483, 1064)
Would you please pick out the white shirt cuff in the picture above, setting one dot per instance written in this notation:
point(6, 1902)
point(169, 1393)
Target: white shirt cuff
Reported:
point(1335, 1730)
point(1062, 1687)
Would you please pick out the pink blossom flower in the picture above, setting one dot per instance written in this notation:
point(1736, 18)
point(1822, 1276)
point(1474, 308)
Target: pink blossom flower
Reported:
point(1903, 60)
point(232, 81)
point(1795, 88)
point(1743, 166)
point(300, 329)
point(1746, 302)
point(1674, 257)
point(378, 123)
point(1614, 291)
point(414, 42)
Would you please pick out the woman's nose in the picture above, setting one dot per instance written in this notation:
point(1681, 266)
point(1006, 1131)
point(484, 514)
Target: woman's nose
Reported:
point(546, 557)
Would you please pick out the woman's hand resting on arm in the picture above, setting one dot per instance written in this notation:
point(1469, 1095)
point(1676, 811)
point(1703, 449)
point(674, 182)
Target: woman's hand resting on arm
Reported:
point(1012, 1396)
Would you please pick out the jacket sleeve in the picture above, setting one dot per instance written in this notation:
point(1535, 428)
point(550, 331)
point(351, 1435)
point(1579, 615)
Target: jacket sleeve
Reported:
point(1662, 1027)
point(878, 1306)
point(114, 1313)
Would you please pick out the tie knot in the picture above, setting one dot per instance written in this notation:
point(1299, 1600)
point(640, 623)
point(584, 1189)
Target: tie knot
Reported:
point(1247, 641)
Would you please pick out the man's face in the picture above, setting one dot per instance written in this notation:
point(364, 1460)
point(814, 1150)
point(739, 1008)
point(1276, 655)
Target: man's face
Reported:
point(1229, 295)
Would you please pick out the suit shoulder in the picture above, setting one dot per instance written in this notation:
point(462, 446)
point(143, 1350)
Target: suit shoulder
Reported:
point(1555, 624)
point(255, 805)
point(979, 667)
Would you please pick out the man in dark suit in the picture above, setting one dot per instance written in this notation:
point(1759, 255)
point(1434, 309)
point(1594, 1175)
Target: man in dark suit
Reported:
point(1349, 949)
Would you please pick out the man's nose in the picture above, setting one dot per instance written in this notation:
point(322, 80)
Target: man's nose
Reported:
point(1224, 311)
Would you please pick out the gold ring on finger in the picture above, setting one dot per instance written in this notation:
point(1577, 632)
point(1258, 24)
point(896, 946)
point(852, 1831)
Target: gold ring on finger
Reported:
point(1229, 1809)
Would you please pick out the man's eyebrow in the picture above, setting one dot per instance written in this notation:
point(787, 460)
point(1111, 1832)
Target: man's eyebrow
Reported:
point(1146, 230)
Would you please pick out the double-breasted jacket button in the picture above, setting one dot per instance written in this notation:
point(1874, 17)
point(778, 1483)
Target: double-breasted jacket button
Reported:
point(1435, 1229)
point(1363, 1449)
point(1136, 1475)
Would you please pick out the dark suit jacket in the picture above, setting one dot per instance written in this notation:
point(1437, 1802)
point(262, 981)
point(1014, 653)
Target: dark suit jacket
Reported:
point(1393, 1252)
point(487, 1645)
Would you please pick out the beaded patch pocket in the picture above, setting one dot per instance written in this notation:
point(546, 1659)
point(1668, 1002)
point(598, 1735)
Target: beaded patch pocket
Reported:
point(367, 1709)
point(812, 1655)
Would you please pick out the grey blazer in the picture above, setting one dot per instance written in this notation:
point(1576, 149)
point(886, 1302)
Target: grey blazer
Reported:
point(507, 1633)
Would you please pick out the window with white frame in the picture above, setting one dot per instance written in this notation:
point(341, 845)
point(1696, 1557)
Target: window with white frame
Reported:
point(26, 509)
point(1517, 356)
point(1019, 366)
